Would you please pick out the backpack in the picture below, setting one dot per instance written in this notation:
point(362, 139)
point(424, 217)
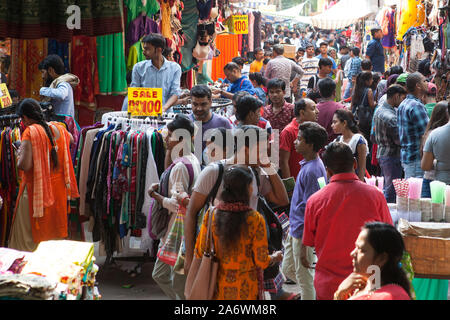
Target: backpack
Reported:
point(159, 216)
point(364, 115)
point(274, 230)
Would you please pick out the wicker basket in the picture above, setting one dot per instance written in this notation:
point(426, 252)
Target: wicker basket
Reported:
point(430, 255)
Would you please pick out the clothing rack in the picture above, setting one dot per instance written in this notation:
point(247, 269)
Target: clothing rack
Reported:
point(123, 118)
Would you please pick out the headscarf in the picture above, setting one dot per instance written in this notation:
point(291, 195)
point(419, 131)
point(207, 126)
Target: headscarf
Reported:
point(390, 81)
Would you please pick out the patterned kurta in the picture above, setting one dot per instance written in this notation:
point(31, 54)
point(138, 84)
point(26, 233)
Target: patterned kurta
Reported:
point(237, 278)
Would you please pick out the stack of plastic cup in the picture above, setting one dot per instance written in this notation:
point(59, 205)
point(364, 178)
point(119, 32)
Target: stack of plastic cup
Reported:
point(371, 181)
point(414, 192)
point(425, 208)
point(380, 183)
point(437, 199)
point(447, 204)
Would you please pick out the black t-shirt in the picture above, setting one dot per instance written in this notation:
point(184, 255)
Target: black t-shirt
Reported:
point(2, 78)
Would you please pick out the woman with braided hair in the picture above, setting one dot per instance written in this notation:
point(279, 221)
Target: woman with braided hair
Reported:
point(47, 180)
point(240, 239)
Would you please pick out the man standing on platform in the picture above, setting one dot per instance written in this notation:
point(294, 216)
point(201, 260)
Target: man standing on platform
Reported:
point(157, 71)
point(375, 51)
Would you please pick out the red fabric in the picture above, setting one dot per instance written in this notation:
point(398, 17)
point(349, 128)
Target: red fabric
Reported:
point(84, 65)
point(387, 292)
point(326, 112)
point(374, 154)
point(333, 219)
point(287, 138)
point(280, 120)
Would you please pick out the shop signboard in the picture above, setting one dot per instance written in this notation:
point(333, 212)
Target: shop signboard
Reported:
point(239, 24)
point(145, 102)
point(5, 98)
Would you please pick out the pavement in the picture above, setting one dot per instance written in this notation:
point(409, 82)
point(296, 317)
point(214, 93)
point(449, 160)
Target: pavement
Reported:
point(123, 281)
point(118, 282)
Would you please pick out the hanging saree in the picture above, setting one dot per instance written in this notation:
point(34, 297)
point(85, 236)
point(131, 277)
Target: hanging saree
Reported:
point(35, 19)
point(111, 64)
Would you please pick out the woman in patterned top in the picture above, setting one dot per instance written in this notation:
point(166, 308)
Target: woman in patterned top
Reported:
point(240, 239)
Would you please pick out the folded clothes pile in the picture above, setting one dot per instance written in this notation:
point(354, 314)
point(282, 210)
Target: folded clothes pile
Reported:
point(26, 287)
point(67, 265)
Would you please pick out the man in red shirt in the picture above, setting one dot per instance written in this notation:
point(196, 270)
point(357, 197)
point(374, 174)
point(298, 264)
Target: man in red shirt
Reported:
point(279, 112)
point(304, 110)
point(334, 217)
point(327, 106)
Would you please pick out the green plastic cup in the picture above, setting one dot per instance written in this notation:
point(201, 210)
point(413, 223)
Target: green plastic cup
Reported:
point(437, 191)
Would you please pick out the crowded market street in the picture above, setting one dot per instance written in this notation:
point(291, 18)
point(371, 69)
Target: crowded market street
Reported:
point(224, 150)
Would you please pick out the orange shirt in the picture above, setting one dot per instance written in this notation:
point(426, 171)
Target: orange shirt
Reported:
point(256, 66)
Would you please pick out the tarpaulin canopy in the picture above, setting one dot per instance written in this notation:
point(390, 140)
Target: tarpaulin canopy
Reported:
point(291, 14)
point(344, 13)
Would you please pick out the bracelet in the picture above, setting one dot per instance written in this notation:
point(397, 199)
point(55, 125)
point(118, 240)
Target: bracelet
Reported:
point(182, 200)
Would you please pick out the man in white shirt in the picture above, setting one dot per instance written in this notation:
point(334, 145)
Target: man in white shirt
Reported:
point(310, 65)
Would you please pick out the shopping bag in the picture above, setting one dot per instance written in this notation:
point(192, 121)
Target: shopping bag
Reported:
point(168, 253)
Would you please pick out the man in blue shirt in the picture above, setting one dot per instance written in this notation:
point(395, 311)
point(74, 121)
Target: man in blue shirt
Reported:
point(412, 122)
point(58, 86)
point(311, 138)
point(157, 71)
point(238, 82)
point(375, 51)
point(354, 70)
point(324, 54)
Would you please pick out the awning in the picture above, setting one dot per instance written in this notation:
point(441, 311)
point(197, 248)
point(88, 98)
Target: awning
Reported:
point(344, 13)
point(292, 14)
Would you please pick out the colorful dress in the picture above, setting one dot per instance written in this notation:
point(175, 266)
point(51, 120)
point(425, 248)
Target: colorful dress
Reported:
point(237, 278)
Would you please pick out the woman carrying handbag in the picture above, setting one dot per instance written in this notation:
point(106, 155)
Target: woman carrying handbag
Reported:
point(232, 245)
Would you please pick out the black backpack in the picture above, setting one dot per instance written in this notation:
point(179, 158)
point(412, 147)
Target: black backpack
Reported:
point(274, 230)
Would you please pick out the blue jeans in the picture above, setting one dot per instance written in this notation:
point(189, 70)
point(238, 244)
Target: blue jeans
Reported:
point(391, 169)
point(412, 169)
point(348, 89)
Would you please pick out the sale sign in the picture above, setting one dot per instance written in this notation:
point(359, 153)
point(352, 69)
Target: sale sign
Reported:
point(145, 102)
point(239, 24)
point(5, 98)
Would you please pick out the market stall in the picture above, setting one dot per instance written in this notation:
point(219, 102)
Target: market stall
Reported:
point(56, 270)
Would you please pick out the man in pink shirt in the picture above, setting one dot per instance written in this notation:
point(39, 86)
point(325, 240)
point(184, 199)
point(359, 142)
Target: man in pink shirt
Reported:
point(327, 106)
point(334, 217)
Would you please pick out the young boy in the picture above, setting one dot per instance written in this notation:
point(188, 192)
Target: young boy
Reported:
point(310, 140)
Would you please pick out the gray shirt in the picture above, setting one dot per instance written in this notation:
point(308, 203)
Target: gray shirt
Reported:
point(438, 143)
point(208, 177)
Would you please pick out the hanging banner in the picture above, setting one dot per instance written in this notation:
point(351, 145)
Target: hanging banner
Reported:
point(239, 24)
point(5, 98)
point(145, 102)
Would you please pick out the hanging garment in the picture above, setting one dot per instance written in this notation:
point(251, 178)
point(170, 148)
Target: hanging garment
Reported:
point(62, 50)
point(257, 30)
point(85, 66)
point(189, 21)
point(388, 40)
point(139, 27)
point(111, 64)
point(227, 44)
point(251, 32)
point(166, 28)
point(136, 7)
point(25, 76)
point(48, 19)
point(135, 55)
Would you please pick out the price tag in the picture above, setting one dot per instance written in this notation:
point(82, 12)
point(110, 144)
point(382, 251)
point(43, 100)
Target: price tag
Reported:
point(239, 24)
point(5, 98)
point(145, 102)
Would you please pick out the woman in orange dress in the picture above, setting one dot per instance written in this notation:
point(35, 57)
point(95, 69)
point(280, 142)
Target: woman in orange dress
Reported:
point(240, 239)
point(47, 180)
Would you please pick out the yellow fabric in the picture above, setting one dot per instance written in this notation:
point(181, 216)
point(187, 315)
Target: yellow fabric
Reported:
point(411, 13)
point(237, 277)
point(166, 28)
